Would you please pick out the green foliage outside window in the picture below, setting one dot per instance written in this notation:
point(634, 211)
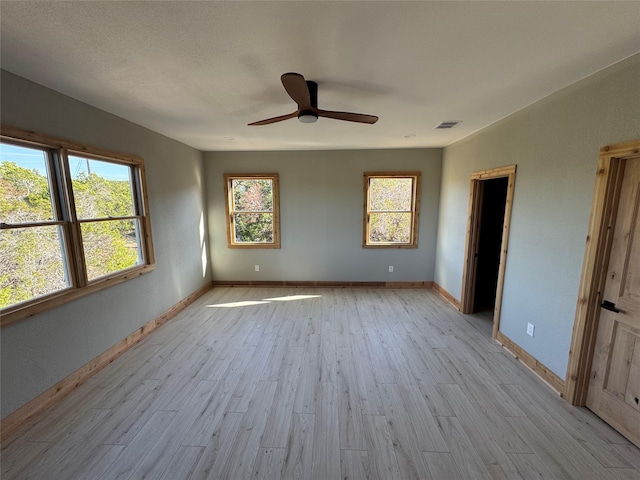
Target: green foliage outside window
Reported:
point(24, 193)
point(31, 264)
point(253, 210)
point(109, 246)
point(390, 207)
point(32, 261)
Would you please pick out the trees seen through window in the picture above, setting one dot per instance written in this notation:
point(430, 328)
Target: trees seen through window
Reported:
point(391, 209)
point(252, 211)
point(70, 222)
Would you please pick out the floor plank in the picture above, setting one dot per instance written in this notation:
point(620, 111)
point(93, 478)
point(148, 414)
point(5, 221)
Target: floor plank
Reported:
point(355, 465)
point(126, 463)
point(299, 452)
point(442, 466)
point(405, 442)
point(463, 450)
point(326, 448)
point(530, 467)
point(183, 463)
point(380, 448)
point(269, 463)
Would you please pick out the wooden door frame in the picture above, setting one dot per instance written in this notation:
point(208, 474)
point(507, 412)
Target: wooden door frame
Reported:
point(604, 210)
point(473, 235)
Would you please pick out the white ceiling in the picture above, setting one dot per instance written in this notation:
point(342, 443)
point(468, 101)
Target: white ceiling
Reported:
point(198, 72)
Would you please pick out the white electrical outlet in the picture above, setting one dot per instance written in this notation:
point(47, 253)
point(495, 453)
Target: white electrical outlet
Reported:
point(257, 268)
point(390, 268)
point(530, 328)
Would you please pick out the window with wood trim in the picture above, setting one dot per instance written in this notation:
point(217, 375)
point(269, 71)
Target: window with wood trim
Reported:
point(253, 217)
point(391, 209)
point(74, 219)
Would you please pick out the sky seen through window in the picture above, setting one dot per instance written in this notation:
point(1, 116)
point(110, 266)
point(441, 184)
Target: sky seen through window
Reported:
point(32, 160)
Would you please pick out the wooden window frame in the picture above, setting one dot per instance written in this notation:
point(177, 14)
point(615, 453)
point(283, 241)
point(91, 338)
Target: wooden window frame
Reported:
point(230, 212)
point(415, 209)
point(58, 151)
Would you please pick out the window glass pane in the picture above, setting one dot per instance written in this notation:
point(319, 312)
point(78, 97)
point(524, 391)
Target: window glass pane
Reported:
point(390, 194)
point(101, 189)
point(31, 264)
point(110, 246)
point(253, 227)
point(25, 194)
point(390, 227)
point(252, 195)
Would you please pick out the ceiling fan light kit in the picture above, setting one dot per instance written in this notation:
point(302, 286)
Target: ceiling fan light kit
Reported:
point(305, 94)
point(308, 116)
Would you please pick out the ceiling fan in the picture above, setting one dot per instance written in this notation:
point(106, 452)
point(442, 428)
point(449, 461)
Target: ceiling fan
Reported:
point(305, 94)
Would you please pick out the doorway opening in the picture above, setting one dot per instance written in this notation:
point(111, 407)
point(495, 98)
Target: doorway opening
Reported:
point(491, 221)
point(490, 199)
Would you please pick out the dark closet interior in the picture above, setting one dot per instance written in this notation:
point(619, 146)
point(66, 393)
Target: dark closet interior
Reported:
point(494, 197)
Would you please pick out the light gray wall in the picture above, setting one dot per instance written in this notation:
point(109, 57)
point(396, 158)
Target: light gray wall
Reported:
point(40, 351)
point(555, 144)
point(321, 208)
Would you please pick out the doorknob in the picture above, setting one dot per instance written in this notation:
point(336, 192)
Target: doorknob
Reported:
point(607, 305)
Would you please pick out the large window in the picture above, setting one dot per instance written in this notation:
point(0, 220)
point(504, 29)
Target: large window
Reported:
point(253, 219)
point(73, 220)
point(391, 209)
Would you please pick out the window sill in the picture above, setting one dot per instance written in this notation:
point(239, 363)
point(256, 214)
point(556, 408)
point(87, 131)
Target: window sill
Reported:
point(254, 245)
point(391, 245)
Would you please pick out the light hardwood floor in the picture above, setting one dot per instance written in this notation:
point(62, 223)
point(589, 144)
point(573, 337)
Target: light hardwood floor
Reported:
point(318, 384)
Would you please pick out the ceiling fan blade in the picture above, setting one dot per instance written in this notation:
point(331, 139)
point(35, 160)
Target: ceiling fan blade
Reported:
point(348, 116)
point(276, 119)
point(297, 88)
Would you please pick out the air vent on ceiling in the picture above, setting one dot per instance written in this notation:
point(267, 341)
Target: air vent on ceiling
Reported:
point(449, 124)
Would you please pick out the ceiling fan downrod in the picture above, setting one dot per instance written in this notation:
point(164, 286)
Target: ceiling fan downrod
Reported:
point(310, 115)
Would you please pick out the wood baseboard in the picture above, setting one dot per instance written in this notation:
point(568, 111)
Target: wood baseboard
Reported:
point(538, 368)
point(447, 296)
point(14, 421)
point(325, 284)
